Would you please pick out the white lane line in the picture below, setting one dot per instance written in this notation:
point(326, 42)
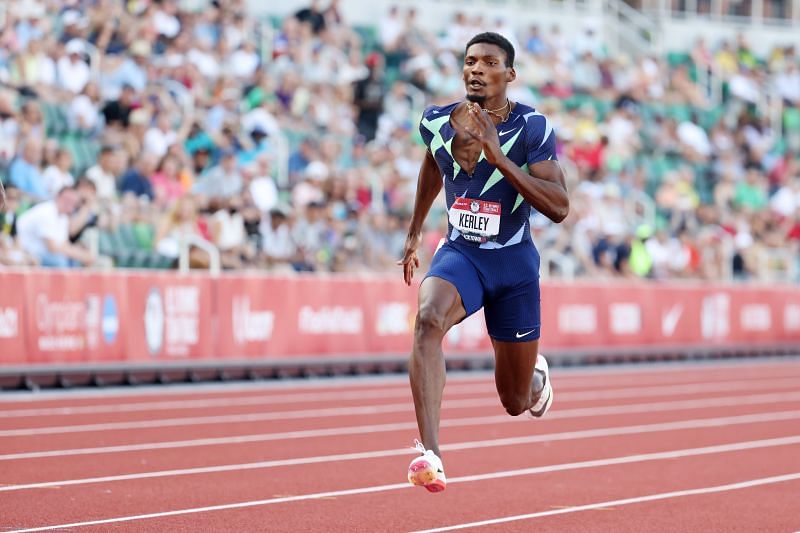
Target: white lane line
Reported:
point(394, 408)
point(404, 392)
point(576, 376)
point(242, 418)
point(233, 402)
point(638, 458)
point(627, 501)
point(472, 445)
point(400, 426)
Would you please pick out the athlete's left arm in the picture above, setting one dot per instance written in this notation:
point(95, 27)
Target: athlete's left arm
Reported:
point(543, 186)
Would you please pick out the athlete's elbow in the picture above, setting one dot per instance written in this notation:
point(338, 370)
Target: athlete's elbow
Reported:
point(559, 212)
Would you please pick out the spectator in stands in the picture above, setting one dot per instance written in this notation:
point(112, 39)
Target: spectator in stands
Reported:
point(136, 179)
point(170, 181)
point(182, 222)
point(751, 193)
point(160, 136)
point(368, 98)
point(34, 68)
point(626, 120)
point(9, 128)
point(31, 124)
point(57, 175)
point(262, 187)
point(278, 247)
point(25, 172)
point(787, 83)
point(73, 71)
point(128, 72)
point(84, 114)
point(229, 234)
point(104, 173)
point(43, 231)
point(87, 211)
point(221, 181)
point(74, 25)
point(313, 16)
point(11, 253)
point(117, 112)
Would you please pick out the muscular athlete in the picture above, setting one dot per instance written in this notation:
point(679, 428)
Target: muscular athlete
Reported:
point(496, 160)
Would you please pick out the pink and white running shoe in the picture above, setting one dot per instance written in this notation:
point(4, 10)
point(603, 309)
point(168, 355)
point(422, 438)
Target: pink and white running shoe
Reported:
point(427, 470)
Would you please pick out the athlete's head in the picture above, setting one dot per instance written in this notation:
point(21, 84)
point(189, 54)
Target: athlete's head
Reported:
point(488, 66)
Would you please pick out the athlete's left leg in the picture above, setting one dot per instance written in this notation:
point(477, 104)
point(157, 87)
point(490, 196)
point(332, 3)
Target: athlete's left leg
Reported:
point(520, 387)
point(513, 318)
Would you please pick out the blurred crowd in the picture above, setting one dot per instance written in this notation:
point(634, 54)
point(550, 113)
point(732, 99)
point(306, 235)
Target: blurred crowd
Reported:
point(291, 144)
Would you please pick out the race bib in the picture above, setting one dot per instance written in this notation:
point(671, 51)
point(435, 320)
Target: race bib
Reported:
point(477, 220)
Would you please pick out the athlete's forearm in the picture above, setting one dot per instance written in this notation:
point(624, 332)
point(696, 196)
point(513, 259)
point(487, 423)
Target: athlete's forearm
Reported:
point(546, 192)
point(428, 186)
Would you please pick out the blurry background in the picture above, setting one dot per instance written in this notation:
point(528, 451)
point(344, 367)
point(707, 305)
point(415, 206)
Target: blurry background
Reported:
point(283, 135)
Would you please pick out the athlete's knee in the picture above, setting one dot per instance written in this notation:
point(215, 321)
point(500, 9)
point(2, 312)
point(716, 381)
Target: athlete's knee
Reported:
point(430, 322)
point(514, 404)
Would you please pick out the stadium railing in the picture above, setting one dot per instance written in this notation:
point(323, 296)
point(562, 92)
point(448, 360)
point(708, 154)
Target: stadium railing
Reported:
point(190, 241)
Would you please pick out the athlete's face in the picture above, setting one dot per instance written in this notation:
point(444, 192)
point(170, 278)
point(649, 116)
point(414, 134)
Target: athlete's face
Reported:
point(485, 72)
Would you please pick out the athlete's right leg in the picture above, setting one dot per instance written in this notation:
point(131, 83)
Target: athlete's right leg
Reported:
point(440, 308)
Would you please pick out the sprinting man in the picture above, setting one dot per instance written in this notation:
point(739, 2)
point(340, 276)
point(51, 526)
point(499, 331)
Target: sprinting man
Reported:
point(496, 160)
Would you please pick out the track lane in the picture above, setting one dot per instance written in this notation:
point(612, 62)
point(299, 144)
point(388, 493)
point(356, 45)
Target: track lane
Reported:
point(411, 508)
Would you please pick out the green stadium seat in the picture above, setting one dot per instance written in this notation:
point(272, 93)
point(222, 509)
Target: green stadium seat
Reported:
point(679, 112)
point(678, 58)
point(709, 117)
point(369, 38)
point(791, 119)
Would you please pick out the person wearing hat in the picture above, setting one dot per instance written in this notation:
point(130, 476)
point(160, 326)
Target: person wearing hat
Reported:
point(72, 70)
point(128, 72)
point(277, 243)
point(74, 25)
point(29, 27)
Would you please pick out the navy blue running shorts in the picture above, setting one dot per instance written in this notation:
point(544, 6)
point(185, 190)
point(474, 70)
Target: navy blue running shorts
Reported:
point(504, 281)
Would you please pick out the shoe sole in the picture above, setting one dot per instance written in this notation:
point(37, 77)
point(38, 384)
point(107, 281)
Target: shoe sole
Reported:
point(422, 474)
point(541, 412)
point(548, 389)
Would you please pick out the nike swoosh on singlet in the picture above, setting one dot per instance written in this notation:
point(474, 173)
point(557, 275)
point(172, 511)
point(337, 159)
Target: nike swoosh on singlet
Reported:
point(505, 132)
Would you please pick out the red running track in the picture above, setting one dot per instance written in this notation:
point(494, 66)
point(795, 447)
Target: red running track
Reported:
point(663, 448)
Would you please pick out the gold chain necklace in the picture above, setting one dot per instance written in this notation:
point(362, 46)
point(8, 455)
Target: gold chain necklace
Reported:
point(495, 111)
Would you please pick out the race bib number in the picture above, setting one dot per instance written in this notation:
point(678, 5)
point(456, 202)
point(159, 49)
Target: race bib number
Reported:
point(477, 220)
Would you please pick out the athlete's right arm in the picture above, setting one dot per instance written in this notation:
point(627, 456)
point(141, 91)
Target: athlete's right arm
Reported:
point(428, 186)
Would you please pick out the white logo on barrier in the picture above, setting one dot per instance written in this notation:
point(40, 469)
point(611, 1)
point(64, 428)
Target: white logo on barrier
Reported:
point(9, 323)
point(791, 317)
point(715, 316)
point(92, 321)
point(755, 317)
point(182, 307)
point(579, 319)
point(61, 325)
point(154, 321)
point(110, 321)
point(327, 320)
point(250, 325)
point(670, 319)
point(626, 318)
point(392, 319)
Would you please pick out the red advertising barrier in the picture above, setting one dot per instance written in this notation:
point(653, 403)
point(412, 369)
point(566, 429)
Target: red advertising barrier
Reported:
point(169, 317)
point(12, 319)
point(59, 317)
point(73, 318)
